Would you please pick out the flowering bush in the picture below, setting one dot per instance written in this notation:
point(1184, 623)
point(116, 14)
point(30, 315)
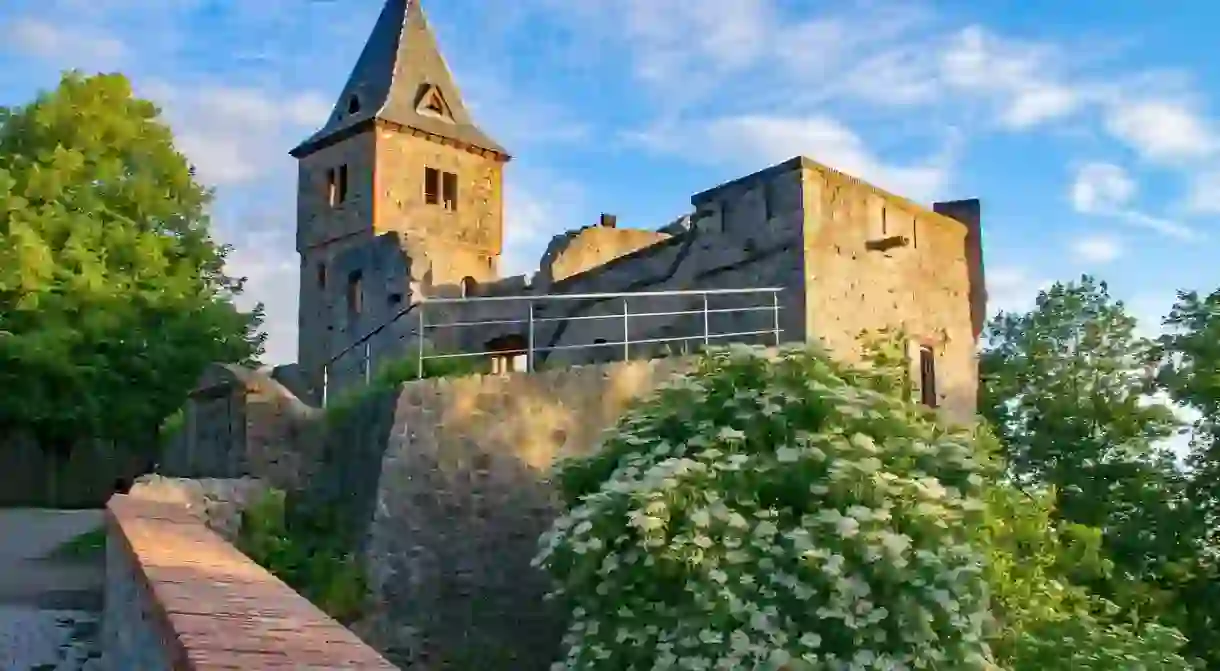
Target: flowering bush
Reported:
point(772, 512)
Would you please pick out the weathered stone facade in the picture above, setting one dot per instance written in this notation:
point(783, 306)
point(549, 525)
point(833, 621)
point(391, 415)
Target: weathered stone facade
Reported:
point(462, 496)
point(240, 422)
point(419, 216)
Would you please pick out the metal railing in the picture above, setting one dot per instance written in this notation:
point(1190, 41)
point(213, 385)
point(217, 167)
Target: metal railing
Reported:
point(535, 324)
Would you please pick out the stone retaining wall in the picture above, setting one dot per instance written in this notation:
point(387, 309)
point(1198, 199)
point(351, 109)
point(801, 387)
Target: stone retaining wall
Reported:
point(179, 597)
point(463, 493)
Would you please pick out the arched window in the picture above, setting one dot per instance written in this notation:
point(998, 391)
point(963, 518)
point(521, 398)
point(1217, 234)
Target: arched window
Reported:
point(470, 287)
point(353, 104)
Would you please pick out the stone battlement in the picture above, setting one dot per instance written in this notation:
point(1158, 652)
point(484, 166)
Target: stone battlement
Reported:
point(179, 597)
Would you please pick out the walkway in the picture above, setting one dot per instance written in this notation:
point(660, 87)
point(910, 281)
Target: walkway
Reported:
point(49, 608)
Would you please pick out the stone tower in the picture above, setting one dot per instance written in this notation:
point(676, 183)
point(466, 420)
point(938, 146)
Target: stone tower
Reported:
point(399, 154)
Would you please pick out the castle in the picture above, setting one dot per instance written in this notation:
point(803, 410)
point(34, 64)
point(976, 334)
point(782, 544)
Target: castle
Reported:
point(400, 200)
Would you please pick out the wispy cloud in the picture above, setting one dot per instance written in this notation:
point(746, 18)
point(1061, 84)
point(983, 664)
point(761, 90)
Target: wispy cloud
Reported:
point(65, 46)
point(1166, 131)
point(1013, 288)
point(1097, 248)
point(1107, 190)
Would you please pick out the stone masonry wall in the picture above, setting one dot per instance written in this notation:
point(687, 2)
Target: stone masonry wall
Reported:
point(180, 598)
point(462, 497)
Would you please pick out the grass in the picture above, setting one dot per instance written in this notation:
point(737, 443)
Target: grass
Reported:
point(89, 545)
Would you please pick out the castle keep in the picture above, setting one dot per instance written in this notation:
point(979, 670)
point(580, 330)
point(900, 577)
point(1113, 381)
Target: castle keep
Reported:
point(400, 200)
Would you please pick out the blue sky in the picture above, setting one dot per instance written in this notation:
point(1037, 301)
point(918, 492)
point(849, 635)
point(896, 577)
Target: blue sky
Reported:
point(1091, 131)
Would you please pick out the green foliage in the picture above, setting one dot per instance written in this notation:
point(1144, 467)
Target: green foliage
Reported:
point(396, 372)
point(1067, 388)
point(768, 512)
point(309, 550)
point(1189, 354)
point(113, 296)
point(90, 545)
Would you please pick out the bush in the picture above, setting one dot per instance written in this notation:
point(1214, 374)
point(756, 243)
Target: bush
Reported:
point(396, 372)
point(307, 549)
point(772, 512)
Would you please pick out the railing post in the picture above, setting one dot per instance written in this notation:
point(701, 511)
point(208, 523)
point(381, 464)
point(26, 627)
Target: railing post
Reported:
point(626, 332)
point(368, 361)
point(707, 334)
point(419, 345)
point(325, 381)
point(529, 344)
point(775, 311)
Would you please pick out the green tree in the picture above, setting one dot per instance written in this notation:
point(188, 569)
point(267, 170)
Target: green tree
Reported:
point(1067, 387)
point(113, 295)
point(1189, 353)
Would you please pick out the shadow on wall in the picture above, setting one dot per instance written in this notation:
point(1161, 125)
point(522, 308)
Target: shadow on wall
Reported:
point(464, 494)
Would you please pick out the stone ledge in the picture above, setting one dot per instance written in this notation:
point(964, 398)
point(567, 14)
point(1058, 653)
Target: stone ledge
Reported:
point(214, 607)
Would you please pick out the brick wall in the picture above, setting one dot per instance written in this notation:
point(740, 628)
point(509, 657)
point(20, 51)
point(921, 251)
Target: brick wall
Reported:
point(178, 597)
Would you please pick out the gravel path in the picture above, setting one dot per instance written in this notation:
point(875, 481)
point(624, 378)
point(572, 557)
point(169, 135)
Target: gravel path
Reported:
point(33, 639)
point(49, 610)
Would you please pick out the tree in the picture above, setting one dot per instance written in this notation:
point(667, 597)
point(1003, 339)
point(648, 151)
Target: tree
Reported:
point(113, 295)
point(1189, 353)
point(1068, 388)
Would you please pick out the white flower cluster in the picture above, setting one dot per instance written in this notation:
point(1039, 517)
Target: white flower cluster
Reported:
point(765, 512)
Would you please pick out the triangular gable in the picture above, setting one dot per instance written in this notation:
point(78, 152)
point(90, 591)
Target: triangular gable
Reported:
point(431, 102)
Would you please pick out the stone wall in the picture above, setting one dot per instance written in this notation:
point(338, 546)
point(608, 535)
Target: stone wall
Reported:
point(460, 500)
point(179, 597)
point(240, 422)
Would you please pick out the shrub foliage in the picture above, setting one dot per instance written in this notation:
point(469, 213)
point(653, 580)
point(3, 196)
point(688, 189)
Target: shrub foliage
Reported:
point(773, 512)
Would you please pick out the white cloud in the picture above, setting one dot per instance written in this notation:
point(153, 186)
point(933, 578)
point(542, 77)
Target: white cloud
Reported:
point(1014, 74)
point(236, 135)
point(66, 46)
point(1104, 189)
point(750, 140)
point(1097, 248)
point(1204, 196)
point(531, 219)
point(1013, 289)
point(1101, 188)
point(1163, 130)
point(264, 256)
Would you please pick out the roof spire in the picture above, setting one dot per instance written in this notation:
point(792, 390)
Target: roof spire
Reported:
point(402, 78)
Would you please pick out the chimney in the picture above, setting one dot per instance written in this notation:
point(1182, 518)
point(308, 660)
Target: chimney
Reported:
point(970, 213)
point(609, 220)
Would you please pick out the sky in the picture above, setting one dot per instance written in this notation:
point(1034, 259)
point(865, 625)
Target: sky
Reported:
point(1090, 131)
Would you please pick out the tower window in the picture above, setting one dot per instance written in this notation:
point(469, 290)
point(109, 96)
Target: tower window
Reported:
point(432, 186)
point(927, 376)
point(449, 191)
point(342, 183)
point(321, 275)
point(355, 294)
point(336, 185)
point(353, 104)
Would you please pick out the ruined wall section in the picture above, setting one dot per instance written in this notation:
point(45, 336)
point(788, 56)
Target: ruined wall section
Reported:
point(463, 494)
point(587, 248)
point(746, 237)
point(877, 260)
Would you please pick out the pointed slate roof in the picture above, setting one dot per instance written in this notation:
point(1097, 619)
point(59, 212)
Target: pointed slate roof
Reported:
point(399, 74)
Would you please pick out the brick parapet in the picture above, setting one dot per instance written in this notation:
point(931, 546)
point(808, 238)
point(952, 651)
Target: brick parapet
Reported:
point(210, 606)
